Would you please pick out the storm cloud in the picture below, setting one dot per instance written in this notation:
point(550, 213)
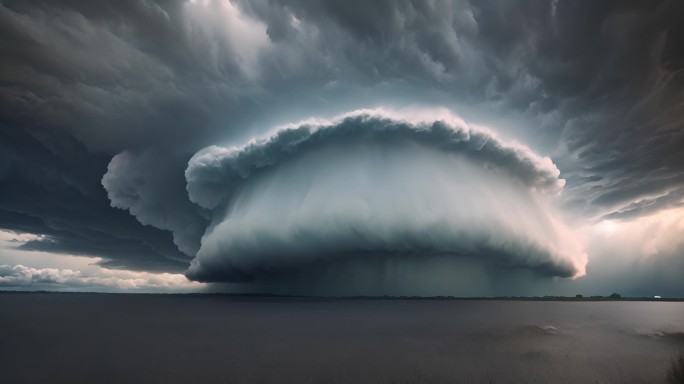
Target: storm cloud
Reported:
point(372, 185)
point(50, 186)
point(103, 106)
point(152, 188)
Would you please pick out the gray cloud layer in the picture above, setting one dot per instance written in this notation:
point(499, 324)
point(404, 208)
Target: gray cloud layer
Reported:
point(602, 81)
point(151, 186)
point(597, 86)
point(50, 186)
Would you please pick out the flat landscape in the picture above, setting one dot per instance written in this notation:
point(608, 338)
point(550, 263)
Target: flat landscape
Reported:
point(115, 338)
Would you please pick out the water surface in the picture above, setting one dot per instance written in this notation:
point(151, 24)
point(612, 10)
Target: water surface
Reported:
point(97, 338)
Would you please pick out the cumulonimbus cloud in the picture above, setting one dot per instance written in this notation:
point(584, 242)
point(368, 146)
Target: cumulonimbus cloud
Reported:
point(374, 183)
point(150, 186)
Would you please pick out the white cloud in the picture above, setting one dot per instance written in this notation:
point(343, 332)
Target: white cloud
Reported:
point(21, 269)
point(20, 276)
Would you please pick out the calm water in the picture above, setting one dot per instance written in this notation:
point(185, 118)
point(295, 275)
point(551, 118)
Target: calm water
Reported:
point(88, 338)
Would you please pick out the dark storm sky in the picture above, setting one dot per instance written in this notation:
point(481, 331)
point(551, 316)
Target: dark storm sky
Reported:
point(301, 145)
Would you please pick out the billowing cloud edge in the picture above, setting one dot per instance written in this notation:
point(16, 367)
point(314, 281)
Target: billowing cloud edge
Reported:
point(243, 185)
point(449, 133)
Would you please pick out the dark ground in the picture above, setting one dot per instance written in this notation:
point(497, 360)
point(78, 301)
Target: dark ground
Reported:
point(110, 338)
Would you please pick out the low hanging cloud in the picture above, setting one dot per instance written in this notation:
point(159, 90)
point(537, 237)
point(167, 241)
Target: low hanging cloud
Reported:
point(19, 276)
point(151, 187)
point(375, 184)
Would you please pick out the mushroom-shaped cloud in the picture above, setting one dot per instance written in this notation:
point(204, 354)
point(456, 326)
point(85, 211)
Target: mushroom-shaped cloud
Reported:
point(375, 184)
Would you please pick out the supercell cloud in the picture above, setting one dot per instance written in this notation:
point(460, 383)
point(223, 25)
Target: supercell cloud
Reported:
point(140, 134)
point(370, 184)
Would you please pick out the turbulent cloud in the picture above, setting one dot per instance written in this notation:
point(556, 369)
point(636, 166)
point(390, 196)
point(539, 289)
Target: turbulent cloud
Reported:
point(51, 187)
point(450, 135)
point(124, 74)
point(602, 82)
point(122, 93)
point(152, 188)
point(371, 185)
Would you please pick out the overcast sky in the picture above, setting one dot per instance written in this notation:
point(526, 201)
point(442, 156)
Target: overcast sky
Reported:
point(459, 148)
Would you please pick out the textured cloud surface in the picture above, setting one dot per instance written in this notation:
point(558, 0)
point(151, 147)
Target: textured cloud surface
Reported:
point(371, 185)
point(152, 188)
point(121, 94)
